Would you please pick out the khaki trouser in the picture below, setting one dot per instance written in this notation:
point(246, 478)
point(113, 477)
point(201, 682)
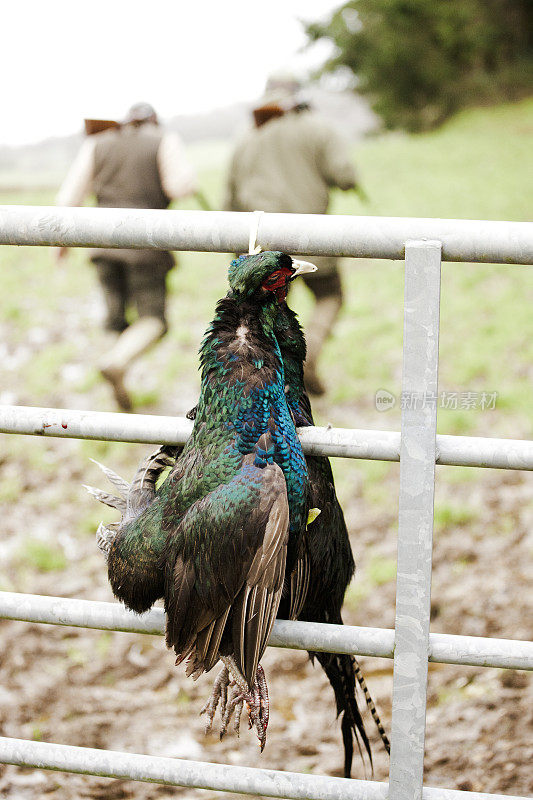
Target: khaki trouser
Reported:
point(129, 345)
point(131, 278)
point(140, 285)
point(327, 289)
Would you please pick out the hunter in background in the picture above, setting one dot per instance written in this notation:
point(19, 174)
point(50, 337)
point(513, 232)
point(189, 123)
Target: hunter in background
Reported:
point(287, 163)
point(133, 164)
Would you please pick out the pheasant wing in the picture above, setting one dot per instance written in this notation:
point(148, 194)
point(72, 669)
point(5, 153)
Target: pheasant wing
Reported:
point(224, 569)
point(257, 604)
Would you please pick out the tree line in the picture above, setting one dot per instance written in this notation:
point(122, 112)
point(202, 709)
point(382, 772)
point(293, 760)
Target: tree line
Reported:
point(420, 61)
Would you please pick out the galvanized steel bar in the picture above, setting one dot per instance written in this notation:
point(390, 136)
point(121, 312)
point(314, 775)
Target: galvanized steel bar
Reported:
point(203, 775)
point(300, 234)
point(100, 425)
point(181, 772)
point(477, 451)
point(415, 529)
point(113, 616)
point(480, 651)
point(379, 642)
point(469, 451)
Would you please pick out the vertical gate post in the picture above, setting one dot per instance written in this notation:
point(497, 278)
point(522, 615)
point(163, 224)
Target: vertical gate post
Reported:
point(415, 531)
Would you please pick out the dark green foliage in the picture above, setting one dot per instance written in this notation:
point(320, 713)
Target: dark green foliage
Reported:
point(420, 61)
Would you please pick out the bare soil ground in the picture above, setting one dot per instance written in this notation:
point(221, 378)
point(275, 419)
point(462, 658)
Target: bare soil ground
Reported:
point(122, 692)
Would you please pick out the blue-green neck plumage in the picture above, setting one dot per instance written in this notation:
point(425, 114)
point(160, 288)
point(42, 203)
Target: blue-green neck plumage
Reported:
point(291, 341)
point(243, 397)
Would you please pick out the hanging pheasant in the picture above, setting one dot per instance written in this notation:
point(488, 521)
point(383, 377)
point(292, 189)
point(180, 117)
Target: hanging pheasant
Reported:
point(224, 533)
point(330, 560)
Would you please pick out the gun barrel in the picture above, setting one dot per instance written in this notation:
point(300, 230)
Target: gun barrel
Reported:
point(98, 125)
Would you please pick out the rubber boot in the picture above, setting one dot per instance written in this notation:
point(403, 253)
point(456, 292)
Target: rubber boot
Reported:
point(324, 315)
point(134, 341)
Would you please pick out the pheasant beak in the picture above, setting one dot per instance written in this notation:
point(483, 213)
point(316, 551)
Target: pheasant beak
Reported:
point(302, 267)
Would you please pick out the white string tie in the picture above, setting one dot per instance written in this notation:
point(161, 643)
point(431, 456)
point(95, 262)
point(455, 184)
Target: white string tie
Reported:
point(253, 247)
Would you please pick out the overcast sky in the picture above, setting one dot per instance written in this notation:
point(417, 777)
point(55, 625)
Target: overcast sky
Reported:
point(63, 60)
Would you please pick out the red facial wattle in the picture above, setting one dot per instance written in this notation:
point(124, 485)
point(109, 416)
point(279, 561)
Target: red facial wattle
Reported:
point(278, 283)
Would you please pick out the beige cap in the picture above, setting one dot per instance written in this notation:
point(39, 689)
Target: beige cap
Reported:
point(140, 112)
point(282, 89)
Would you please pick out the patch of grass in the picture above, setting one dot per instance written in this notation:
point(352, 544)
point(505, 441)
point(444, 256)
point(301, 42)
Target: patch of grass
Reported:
point(146, 397)
point(457, 475)
point(95, 449)
point(90, 521)
point(37, 733)
point(103, 644)
point(376, 483)
point(451, 172)
point(10, 489)
point(40, 556)
point(459, 566)
point(454, 172)
point(77, 656)
point(88, 382)
point(462, 690)
point(377, 572)
point(182, 699)
point(451, 516)
point(356, 592)
point(505, 525)
point(31, 454)
point(6, 584)
point(381, 570)
point(45, 367)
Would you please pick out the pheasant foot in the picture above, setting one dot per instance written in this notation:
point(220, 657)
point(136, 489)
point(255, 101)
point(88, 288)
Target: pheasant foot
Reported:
point(256, 699)
point(219, 694)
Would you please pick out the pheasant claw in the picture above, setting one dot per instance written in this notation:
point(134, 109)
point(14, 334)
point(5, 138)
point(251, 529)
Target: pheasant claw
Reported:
point(237, 720)
point(220, 692)
point(235, 704)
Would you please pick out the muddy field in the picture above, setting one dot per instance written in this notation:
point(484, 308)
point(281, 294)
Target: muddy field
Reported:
point(121, 692)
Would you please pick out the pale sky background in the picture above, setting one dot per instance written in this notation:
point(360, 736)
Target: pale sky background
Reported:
point(63, 60)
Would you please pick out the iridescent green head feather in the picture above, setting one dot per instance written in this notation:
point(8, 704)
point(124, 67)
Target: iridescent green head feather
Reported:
point(247, 273)
point(264, 272)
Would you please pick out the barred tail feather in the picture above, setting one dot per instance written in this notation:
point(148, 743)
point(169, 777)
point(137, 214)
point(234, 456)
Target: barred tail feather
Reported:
point(370, 703)
point(110, 500)
point(122, 485)
point(341, 675)
point(142, 490)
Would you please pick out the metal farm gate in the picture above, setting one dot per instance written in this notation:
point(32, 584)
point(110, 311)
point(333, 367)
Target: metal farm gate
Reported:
point(422, 243)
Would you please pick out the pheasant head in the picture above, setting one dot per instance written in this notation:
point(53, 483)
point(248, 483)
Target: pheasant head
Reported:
point(265, 276)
